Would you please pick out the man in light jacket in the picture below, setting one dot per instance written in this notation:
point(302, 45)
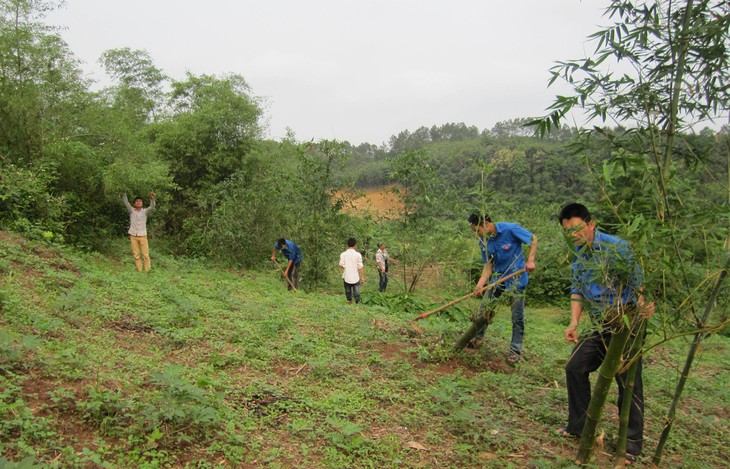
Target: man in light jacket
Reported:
point(138, 230)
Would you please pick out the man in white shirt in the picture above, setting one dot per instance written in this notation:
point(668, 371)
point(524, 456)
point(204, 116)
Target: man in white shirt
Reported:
point(354, 273)
point(138, 230)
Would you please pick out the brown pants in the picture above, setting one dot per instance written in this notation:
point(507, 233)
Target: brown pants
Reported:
point(141, 252)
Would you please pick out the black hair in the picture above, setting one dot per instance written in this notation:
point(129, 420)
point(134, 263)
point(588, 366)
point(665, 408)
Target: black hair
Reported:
point(281, 243)
point(380, 244)
point(351, 242)
point(138, 198)
point(478, 219)
point(574, 210)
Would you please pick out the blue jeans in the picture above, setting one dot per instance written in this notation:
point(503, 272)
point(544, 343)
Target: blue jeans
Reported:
point(352, 289)
point(488, 305)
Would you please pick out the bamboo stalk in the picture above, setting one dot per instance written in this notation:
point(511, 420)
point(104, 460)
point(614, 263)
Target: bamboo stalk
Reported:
point(698, 338)
point(623, 428)
point(606, 373)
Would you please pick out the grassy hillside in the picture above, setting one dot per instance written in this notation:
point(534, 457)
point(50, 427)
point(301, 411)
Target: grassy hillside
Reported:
point(194, 366)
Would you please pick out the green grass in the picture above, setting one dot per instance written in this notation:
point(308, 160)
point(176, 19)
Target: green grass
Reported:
point(196, 366)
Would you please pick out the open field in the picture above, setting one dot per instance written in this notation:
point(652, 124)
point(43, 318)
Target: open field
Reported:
point(195, 366)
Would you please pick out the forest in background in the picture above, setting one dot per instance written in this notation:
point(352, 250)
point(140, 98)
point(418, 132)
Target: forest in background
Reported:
point(225, 192)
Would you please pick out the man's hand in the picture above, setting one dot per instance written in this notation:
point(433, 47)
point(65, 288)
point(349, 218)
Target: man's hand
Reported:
point(152, 196)
point(571, 334)
point(480, 290)
point(273, 258)
point(646, 310)
point(530, 266)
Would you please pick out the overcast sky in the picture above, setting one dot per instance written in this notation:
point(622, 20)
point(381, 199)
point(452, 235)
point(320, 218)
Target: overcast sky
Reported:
point(352, 70)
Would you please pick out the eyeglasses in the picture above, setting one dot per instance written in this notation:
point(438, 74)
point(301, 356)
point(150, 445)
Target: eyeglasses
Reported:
point(574, 229)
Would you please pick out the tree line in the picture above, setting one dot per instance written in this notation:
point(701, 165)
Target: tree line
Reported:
point(68, 152)
point(226, 192)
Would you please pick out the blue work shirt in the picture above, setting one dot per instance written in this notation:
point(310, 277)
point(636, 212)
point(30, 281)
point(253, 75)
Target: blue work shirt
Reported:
point(504, 250)
point(605, 273)
point(291, 251)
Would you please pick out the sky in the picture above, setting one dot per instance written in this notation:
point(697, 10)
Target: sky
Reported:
point(360, 71)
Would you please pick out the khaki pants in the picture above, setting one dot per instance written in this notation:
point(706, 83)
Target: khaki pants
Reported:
point(141, 252)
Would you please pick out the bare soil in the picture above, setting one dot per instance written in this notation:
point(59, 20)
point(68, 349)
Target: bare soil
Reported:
point(380, 202)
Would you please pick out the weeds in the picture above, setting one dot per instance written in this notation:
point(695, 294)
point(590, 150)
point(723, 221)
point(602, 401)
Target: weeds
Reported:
point(346, 436)
point(15, 351)
point(107, 410)
point(210, 368)
point(180, 411)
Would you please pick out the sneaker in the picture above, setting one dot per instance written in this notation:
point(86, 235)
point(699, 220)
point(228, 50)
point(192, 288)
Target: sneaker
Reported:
point(514, 357)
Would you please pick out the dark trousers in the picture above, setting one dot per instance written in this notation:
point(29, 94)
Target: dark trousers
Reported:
point(383, 280)
point(293, 276)
point(352, 289)
point(586, 358)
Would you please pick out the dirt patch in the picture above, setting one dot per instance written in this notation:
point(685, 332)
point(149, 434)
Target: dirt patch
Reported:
point(44, 253)
point(394, 352)
point(288, 369)
point(453, 366)
point(130, 323)
point(379, 202)
point(62, 264)
point(44, 400)
point(4, 236)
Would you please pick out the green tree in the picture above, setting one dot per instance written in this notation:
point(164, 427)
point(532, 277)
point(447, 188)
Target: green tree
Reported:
point(426, 198)
point(138, 92)
point(252, 208)
point(510, 170)
point(511, 128)
point(674, 64)
point(39, 81)
point(320, 225)
point(409, 141)
point(41, 94)
point(213, 126)
point(453, 132)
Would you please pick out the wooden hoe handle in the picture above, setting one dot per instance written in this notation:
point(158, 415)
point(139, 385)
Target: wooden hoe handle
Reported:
point(284, 274)
point(487, 287)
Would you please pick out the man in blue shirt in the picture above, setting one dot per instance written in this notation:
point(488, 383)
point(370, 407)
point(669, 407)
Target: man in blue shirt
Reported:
point(607, 282)
point(294, 257)
point(501, 247)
